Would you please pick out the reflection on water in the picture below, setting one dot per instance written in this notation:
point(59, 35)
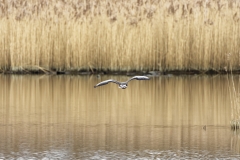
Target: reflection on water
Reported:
point(65, 117)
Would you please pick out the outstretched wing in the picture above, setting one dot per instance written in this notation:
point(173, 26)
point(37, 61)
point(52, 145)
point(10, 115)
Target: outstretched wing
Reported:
point(106, 82)
point(139, 78)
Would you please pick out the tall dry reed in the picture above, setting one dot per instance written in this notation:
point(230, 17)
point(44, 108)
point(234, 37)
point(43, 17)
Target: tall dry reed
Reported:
point(119, 35)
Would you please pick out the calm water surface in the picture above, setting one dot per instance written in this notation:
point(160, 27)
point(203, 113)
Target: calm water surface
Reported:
point(64, 117)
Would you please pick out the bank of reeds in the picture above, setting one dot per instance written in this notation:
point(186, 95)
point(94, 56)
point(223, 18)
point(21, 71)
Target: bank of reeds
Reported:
point(234, 92)
point(121, 35)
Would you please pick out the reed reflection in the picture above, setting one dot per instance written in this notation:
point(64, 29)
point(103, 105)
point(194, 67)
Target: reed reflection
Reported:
point(45, 115)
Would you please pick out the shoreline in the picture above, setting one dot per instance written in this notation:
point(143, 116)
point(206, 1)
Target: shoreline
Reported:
point(128, 73)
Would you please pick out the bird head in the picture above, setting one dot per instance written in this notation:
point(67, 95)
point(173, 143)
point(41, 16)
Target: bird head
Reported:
point(123, 86)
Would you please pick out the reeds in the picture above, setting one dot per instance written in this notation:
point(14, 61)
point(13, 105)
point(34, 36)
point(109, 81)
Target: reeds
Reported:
point(117, 35)
point(235, 142)
point(234, 93)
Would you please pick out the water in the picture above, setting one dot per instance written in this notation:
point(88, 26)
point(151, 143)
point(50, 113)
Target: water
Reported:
point(64, 117)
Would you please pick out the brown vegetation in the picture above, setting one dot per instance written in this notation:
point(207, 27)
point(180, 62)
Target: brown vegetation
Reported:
point(121, 35)
point(234, 93)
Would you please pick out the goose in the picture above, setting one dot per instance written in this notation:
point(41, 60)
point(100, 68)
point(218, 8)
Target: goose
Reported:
point(122, 85)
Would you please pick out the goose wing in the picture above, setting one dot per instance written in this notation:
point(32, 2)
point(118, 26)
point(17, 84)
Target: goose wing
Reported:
point(139, 78)
point(106, 82)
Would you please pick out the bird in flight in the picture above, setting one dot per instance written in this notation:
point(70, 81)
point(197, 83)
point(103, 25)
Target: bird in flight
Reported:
point(122, 85)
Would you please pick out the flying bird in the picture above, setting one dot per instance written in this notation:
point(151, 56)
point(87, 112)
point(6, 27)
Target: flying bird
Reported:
point(122, 85)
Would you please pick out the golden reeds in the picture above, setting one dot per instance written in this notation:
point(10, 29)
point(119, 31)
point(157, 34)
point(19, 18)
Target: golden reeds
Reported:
point(119, 35)
point(234, 93)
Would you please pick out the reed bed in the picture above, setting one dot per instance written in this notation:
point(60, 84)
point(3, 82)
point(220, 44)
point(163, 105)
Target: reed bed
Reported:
point(113, 35)
point(234, 93)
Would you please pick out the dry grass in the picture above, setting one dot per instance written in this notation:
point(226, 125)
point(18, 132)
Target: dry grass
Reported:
point(119, 35)
point(234, 93)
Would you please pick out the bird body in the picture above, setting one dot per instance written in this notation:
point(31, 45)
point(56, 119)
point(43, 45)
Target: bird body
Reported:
point(122, 85)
